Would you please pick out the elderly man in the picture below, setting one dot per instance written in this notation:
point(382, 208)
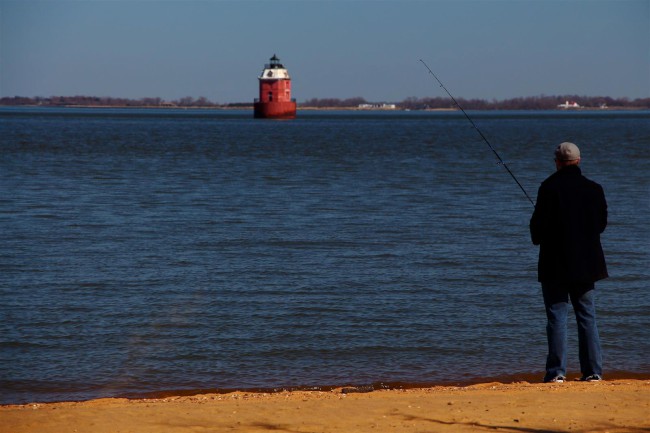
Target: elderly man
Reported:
point(570, 215)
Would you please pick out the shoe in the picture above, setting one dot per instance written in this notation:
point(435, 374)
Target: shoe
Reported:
point(592, 378)
point(556, 379)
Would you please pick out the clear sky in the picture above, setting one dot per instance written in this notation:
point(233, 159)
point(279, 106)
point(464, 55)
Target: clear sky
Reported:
point(489, 49)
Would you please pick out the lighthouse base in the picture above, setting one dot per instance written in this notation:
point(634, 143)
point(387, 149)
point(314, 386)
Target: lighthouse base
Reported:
point(275, 110)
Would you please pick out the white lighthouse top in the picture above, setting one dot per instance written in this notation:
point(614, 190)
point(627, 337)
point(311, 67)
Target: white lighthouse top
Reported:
point(274, 70)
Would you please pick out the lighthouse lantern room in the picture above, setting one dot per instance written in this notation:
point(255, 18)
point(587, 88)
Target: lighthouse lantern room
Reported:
point(275, 92)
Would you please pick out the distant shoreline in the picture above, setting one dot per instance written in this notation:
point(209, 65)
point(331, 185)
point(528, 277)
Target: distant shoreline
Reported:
point(542, 102)
point(309, 108)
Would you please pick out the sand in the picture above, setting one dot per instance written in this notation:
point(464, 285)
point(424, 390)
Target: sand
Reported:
point(608, 406)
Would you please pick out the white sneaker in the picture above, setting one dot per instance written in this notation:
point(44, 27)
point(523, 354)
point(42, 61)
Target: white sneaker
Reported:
point(556, 379)
point(592, 378)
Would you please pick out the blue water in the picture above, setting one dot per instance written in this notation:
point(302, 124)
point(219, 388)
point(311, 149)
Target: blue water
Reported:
point(151, 250)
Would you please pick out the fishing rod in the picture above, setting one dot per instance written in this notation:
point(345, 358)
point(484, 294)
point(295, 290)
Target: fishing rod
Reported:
point(501, 162)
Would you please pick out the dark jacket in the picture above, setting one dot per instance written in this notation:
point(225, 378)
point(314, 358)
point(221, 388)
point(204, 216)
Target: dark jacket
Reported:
point(570, 215)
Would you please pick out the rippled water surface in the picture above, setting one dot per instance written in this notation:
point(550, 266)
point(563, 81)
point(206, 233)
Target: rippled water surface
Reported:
point(144, 251)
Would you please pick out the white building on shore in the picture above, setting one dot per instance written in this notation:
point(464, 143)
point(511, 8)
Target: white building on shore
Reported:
point(568, 104)
point(377, 106)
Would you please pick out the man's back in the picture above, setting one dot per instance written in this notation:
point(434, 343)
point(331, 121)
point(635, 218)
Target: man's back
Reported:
point(570, 215)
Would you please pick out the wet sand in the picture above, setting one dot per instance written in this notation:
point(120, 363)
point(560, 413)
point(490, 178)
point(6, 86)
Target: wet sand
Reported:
point(608, 406)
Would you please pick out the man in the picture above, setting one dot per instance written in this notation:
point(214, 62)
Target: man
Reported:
point(570, 215)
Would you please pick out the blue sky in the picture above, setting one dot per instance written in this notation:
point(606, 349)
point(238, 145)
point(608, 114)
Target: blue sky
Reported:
point(489, 49)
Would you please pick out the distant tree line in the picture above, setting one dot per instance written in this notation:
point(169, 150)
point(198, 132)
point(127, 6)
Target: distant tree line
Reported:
point(333, 102)
point(68, 101)
point(524, 103)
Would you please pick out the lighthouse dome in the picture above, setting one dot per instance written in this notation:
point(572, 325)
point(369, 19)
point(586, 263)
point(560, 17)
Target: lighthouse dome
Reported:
point(274, 70)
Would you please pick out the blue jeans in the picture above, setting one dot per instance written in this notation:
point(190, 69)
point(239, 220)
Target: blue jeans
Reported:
point(556, 301)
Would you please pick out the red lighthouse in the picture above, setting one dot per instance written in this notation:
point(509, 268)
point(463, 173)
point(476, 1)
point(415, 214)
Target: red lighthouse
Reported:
point(275, 93)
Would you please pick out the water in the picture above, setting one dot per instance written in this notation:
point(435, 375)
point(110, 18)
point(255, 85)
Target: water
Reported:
point(151, 250)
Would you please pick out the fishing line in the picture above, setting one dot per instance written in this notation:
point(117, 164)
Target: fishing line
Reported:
point(501, 162)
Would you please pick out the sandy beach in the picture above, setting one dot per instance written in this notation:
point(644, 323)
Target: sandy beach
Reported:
point(608, 406)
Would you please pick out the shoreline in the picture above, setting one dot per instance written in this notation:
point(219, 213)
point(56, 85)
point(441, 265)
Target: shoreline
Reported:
point(349, 388)
point(346, 388)
point(610, 406)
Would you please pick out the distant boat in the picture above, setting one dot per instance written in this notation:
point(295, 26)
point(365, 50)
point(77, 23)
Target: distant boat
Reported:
point(568, 104)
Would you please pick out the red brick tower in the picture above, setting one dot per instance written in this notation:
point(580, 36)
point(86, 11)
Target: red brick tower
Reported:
point(275, 93)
